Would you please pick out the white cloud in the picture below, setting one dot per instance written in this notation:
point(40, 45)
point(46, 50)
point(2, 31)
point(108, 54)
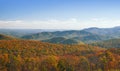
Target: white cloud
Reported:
point(72, 23)
point(104, 22)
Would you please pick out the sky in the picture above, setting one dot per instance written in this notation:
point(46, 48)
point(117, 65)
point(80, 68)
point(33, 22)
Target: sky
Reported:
point(59, 14)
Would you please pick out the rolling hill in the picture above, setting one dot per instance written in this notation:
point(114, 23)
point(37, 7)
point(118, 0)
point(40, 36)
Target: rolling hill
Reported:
point(112, 43)
point(88, 35)
point(5, 37)
point(48, 35)
point(62, 40)
point(110, 32)
point(73, 35)
point(30, 55)
point(22, 32)
point(24, 55)
point(41, 46)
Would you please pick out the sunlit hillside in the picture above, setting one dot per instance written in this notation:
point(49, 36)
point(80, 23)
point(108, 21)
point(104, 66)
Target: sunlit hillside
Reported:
point(29, 55)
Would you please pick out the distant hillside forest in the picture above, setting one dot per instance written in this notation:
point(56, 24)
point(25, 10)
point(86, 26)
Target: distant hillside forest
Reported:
point(112, 43)
point(30, 55)
point(87, 36)
point(92, 49)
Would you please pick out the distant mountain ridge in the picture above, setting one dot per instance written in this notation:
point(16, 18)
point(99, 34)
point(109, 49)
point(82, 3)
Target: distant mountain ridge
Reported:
point(22, 32)
point(88, 35)
point(112, 32)
point(66, 34)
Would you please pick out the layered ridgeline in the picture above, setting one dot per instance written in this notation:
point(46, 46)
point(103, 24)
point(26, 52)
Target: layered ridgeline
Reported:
point(89, 35)
point(22, 32)
point(111, 32)
point(77, 36)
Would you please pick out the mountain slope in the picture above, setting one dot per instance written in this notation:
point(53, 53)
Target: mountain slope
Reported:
point(55, 40)
point(74, 35)
point(112, 43)
point(62, 40)
point(29, 55)
point(22, 32)
point(43, 48)
point(48, 35)
point(109, 32)
point(4, 37)
point(89, 35)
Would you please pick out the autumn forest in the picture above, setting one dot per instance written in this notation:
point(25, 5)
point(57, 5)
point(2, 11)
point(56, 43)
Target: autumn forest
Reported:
point(20, 54)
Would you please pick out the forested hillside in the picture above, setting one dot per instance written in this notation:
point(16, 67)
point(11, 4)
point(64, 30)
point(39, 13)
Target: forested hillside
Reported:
point(82, 35)
point(62, 40)
point(4, 37)
point(88, 35)
point(22, 32)
point(60, 51)
point(59, 35)
point(111, 32)
point(112, 43)
point(28, 55)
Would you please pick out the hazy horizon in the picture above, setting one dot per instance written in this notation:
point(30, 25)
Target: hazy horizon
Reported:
point(59, 14)
point(55, 29)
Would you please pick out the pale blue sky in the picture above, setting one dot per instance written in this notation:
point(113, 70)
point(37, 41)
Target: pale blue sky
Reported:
point(59, 14)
